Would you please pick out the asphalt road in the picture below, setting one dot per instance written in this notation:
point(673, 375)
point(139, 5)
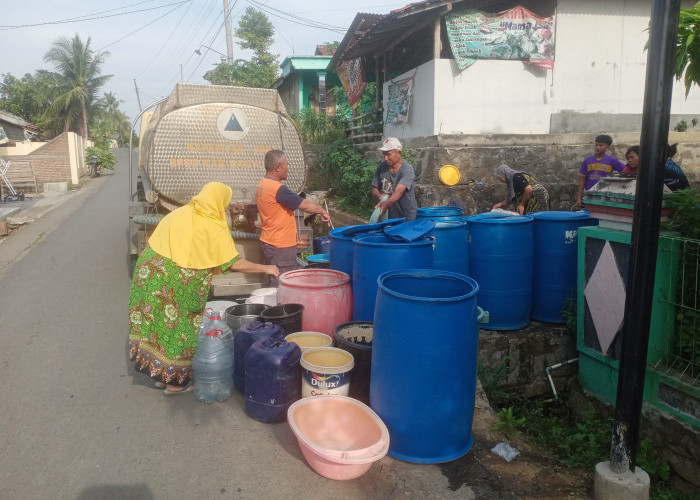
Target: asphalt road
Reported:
point(76, 421)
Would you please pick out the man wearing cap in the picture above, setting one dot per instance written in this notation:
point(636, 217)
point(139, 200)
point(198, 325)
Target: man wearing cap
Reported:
point(395, 177)
point(597, 166)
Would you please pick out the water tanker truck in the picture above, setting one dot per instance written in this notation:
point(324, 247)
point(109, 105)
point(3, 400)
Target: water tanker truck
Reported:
point(205, 133)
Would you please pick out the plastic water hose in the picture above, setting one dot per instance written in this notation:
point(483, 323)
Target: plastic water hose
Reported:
point(154, 219)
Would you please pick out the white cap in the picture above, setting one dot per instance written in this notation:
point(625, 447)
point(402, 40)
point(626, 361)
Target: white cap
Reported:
point(391, 143)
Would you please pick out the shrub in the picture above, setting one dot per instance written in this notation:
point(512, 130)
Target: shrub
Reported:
point(105, 157)
point(349, 175)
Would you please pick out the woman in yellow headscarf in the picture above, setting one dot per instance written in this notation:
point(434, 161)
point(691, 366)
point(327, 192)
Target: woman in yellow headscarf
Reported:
point(171, 283)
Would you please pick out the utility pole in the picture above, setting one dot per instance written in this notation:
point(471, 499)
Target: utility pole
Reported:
point(181, 79)
point(138, 99)
point(229, 36)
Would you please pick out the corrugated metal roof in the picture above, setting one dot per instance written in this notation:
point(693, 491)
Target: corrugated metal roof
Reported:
point(10, 118)
point(379, 33)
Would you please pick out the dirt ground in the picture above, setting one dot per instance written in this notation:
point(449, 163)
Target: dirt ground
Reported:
point(530, 475)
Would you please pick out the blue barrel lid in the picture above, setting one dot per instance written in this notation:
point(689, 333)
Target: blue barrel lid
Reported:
point(488, 215)
point(562, 215)
point(319, 257)
point(442, 224)
point(445, 210)
point(508, 219)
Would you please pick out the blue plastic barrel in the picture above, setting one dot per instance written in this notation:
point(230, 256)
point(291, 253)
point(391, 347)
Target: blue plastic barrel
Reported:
point(451, 251)
point(378, 253)
point(341, 246)
point(424, 352)
point(556, 252)
point(439, 213)
point(501, 260)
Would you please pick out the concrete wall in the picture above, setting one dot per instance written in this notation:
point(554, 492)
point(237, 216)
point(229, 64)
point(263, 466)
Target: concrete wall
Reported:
point(60, 160)
point(553, 159)
point(599, 73)
point(20, 148)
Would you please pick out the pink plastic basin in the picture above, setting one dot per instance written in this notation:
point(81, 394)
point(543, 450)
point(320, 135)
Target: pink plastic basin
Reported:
point(340, 437)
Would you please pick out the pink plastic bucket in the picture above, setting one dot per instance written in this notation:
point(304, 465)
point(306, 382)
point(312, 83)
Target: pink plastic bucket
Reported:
point(324, 293)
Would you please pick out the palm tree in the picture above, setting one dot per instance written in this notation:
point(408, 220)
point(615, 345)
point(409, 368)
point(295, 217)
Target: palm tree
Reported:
point(79, 73)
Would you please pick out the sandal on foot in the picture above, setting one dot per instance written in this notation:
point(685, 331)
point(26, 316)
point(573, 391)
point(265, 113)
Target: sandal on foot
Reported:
point(159, 385)
point(187, 388)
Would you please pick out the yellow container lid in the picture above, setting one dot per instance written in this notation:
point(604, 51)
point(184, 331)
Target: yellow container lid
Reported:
point(449, 175)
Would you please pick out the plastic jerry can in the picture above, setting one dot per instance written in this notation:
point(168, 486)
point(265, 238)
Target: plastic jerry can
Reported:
point(272, 379)
point(245, 337)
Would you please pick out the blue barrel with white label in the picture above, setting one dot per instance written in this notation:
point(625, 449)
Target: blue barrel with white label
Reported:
point(501, 257)
point(555, 262)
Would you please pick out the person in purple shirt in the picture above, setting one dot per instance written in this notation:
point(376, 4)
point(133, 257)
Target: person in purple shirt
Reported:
point(597, 166)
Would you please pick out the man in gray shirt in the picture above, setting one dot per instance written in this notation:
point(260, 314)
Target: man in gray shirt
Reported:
point(395, 178)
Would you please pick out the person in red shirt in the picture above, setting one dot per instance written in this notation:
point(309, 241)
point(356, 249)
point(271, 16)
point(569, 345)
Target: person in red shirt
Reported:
point(632, 157)
point(276, 205)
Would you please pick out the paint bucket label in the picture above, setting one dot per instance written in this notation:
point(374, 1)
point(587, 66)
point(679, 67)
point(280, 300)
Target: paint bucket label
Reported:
point(325, 371)
point(322, 384)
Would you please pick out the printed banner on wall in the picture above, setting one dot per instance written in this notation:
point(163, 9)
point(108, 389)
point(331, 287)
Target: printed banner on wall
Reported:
point(512, 34)
point(398, 101)
point(352, 77)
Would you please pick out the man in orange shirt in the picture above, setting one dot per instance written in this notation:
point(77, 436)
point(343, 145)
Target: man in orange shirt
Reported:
point(276, 205)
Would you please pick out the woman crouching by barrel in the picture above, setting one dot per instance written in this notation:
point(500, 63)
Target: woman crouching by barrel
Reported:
point(171, 284)
point(522, 190)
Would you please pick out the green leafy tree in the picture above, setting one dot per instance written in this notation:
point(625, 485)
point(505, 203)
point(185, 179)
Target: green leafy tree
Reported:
point(27, 97)
point(107, 116)
point(79, 78)
point(687, 61)
point(256, 33)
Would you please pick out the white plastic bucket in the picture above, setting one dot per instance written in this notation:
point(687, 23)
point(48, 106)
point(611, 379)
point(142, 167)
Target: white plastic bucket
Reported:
point(325, 370)
point(309, 340)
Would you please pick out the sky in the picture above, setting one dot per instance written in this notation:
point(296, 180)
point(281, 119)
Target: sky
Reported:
point(153, 42)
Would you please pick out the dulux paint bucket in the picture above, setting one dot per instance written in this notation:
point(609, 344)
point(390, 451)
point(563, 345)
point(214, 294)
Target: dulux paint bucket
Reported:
point(309, 340)
point(325, 371)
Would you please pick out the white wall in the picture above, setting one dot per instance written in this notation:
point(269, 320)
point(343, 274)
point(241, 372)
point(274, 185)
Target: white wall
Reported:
point(20, 148)
point(600, 67)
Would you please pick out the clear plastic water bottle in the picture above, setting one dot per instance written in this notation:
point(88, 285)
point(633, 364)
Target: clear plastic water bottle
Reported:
point(213, 320)
point(212, 367)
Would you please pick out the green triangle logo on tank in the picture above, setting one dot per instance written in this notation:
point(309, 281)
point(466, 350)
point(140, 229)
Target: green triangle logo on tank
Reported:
point(233, 123)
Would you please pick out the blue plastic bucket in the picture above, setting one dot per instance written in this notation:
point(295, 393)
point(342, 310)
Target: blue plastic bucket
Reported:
point(341, 247)
point(451, 251)
point(501, 260)
point(424, 352)
point(377, 253)
point(439, 213)
point(555, 262)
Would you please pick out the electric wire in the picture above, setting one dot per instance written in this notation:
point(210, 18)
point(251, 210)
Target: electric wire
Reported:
point(93, 18)
point(293, 18)
point(167, 40)
point(184, 43)
point(142, 27)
